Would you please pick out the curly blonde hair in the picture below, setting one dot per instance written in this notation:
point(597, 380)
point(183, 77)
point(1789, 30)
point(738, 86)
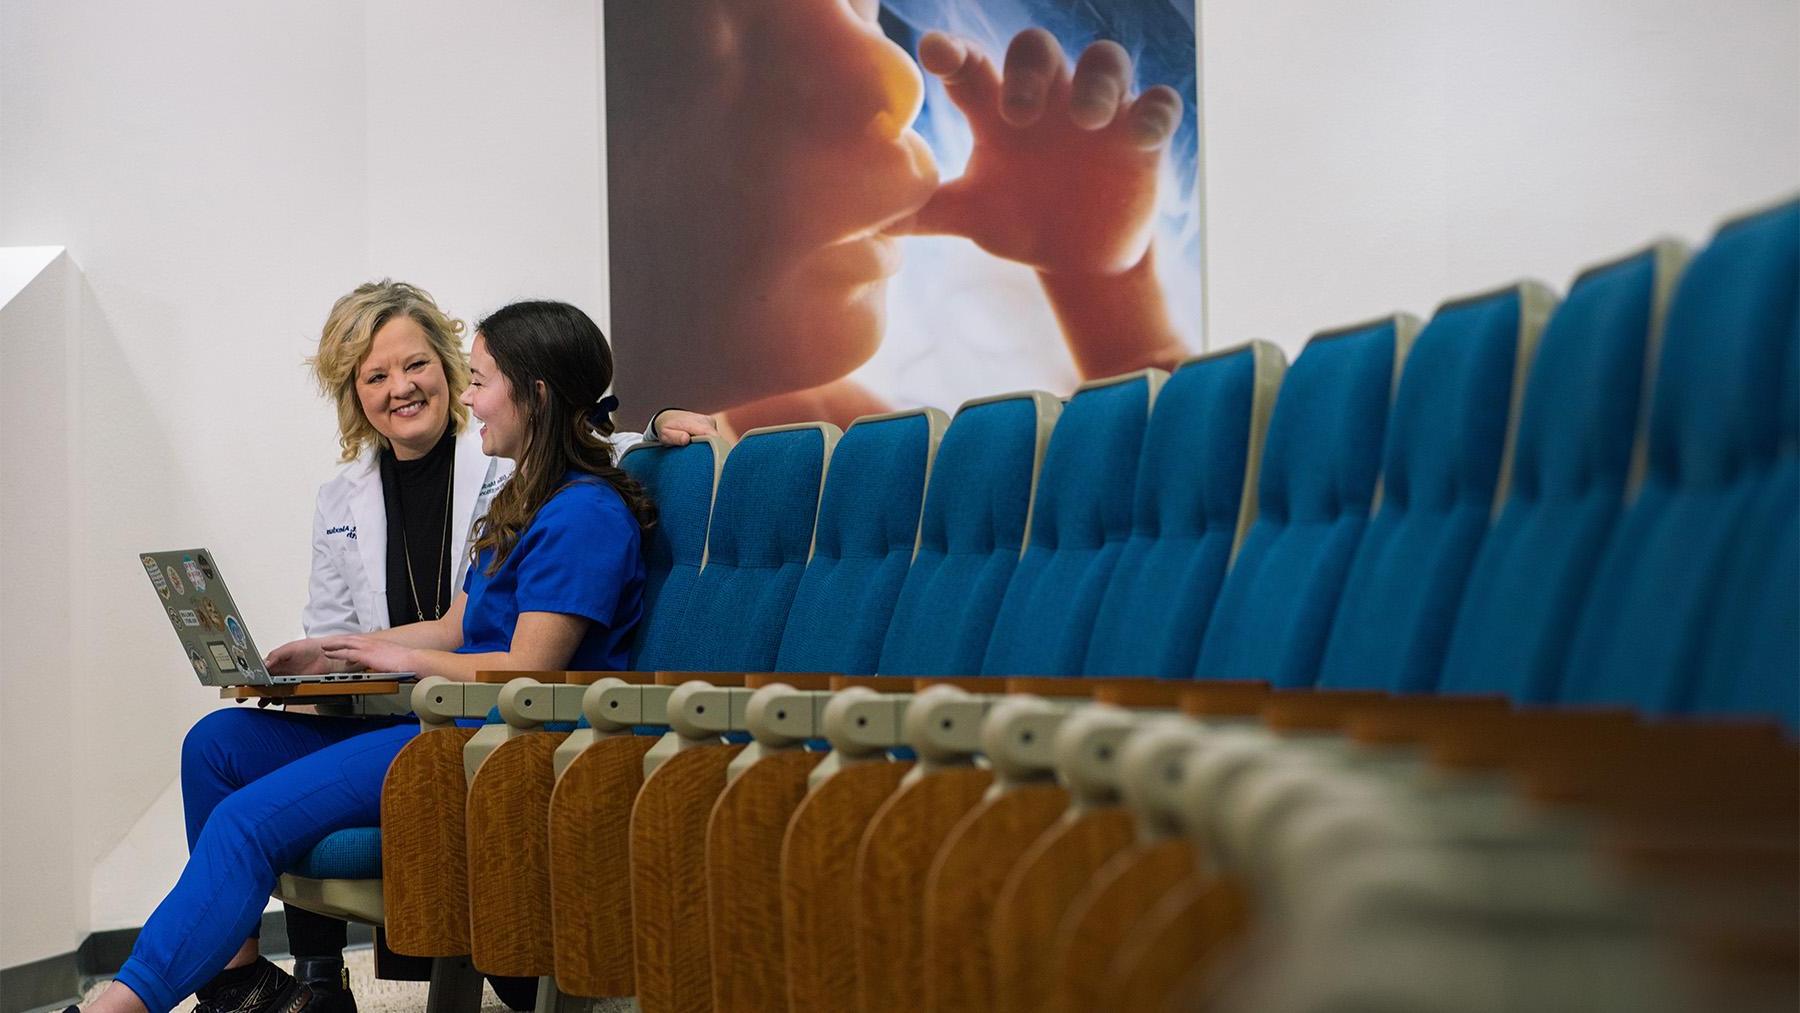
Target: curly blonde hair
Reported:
point(350, 330)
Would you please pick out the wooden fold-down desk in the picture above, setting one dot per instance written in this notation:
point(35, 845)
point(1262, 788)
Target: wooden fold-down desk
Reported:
point(384, 698)
point(312, 691)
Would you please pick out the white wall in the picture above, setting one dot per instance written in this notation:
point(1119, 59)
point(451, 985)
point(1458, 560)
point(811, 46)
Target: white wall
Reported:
point(220, 172)
point(1388, 154)
point(43, 888)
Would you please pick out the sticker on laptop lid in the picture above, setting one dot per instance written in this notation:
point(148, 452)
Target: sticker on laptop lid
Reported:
point(236, 629)
point(206, 567)
point(194, 576)
point(174, 617)
point(157, 579)
point(190, 619)
point(210, 619)
point(198, 660)
point(220, 656)
point(243, 663)
point(175, 583)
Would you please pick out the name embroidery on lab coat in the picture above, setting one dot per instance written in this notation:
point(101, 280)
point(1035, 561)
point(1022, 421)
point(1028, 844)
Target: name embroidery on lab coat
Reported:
point(347, 530)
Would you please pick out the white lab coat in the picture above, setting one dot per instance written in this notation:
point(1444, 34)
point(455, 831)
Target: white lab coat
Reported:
point(348, 588)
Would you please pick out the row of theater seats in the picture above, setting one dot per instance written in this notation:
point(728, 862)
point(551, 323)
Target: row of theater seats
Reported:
point(1453, 666)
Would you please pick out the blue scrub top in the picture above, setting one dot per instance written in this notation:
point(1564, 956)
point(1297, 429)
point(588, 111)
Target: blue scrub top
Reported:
point(581, 555)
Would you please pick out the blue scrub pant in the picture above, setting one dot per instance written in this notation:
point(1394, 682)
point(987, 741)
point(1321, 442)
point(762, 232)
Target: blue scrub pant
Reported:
point(261, 788)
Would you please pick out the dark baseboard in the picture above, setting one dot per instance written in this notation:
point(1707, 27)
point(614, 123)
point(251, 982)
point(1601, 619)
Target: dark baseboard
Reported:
point(54, 982)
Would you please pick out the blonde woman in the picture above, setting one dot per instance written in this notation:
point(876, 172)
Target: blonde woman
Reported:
point(390, 530)
point(390, 549)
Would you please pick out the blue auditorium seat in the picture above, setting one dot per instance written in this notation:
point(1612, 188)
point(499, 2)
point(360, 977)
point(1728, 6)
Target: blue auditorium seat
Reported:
point(347, 854)
point(970, 534)
point(1080, 519)
point(863, 543)
point(1752, 663)
point(1195, 497)
point(1578, 430)
point(757, 544)
point(1680, 577)
point(681, 481)
point(1442, 471)
point(1316, 483)
point(1751, 667)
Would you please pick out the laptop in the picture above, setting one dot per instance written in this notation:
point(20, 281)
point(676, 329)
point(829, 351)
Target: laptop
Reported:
point(218, 644)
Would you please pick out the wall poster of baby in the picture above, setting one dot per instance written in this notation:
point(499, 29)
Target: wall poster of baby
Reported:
point(820, 209)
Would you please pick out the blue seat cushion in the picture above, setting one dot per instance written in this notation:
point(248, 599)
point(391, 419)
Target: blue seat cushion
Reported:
point(1440, 469)
point(970, 533)
point(1569, 471)
point(757, 544)
point(347, 854)
point(1190, 485)
point(1080, 521)
point(1720, 429)
point(863, 546)
point(1316, 483)
point(680, 480)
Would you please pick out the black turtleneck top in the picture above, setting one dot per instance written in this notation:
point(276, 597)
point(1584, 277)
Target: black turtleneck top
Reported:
point(418, 495)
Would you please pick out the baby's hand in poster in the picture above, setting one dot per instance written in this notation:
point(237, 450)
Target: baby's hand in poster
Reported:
point(1063, 173)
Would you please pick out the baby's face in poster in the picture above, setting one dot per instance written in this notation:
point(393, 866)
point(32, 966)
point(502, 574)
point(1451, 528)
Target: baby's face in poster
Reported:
point(758, 153)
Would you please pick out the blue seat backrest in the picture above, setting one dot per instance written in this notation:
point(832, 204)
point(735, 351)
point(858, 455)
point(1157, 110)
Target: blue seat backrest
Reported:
point(1751, 667)
point(1315, 486)
point(1080, 519)
point(756, 549)
point(1751, 664)
point(1699, 532)
point(970, 535)
point(1578, 431)
point(680, 481)
point(1441, 470)
point(1196, 493)
point(862, 545)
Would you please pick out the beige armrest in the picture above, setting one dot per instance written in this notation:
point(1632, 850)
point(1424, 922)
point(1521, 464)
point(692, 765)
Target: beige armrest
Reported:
point(943, 725)
point(699, 710)
point(525, 704)
point(611, 706)
point(862, 725)
point(698, 714)
point(439, 701)
point(1151, 768)
point(1018, 736)
point(1232, 757)
point(780, 718)
point(1086, 753)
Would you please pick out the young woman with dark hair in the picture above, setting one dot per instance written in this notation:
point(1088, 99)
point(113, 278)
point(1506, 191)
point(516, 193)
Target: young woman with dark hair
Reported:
point(554, 581)
point(389, 547)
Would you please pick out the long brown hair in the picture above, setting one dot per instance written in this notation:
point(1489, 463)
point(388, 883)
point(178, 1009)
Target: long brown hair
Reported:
point(555, 346)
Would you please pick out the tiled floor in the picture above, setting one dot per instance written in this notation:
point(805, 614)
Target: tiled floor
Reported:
point(376, 996)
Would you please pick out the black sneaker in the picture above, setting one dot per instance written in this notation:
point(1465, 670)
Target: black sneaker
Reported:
point(329, 981)
point(266, 989)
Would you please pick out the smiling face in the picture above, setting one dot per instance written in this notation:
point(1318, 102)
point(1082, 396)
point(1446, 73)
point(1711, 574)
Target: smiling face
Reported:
point(757, 151)
point(490, 398)
point(402, 388)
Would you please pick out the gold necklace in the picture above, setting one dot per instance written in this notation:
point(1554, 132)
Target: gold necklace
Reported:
point(437, 601)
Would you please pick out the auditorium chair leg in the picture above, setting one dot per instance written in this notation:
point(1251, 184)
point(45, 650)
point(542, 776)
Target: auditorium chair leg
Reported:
point(550, 999)
point(455, 986)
